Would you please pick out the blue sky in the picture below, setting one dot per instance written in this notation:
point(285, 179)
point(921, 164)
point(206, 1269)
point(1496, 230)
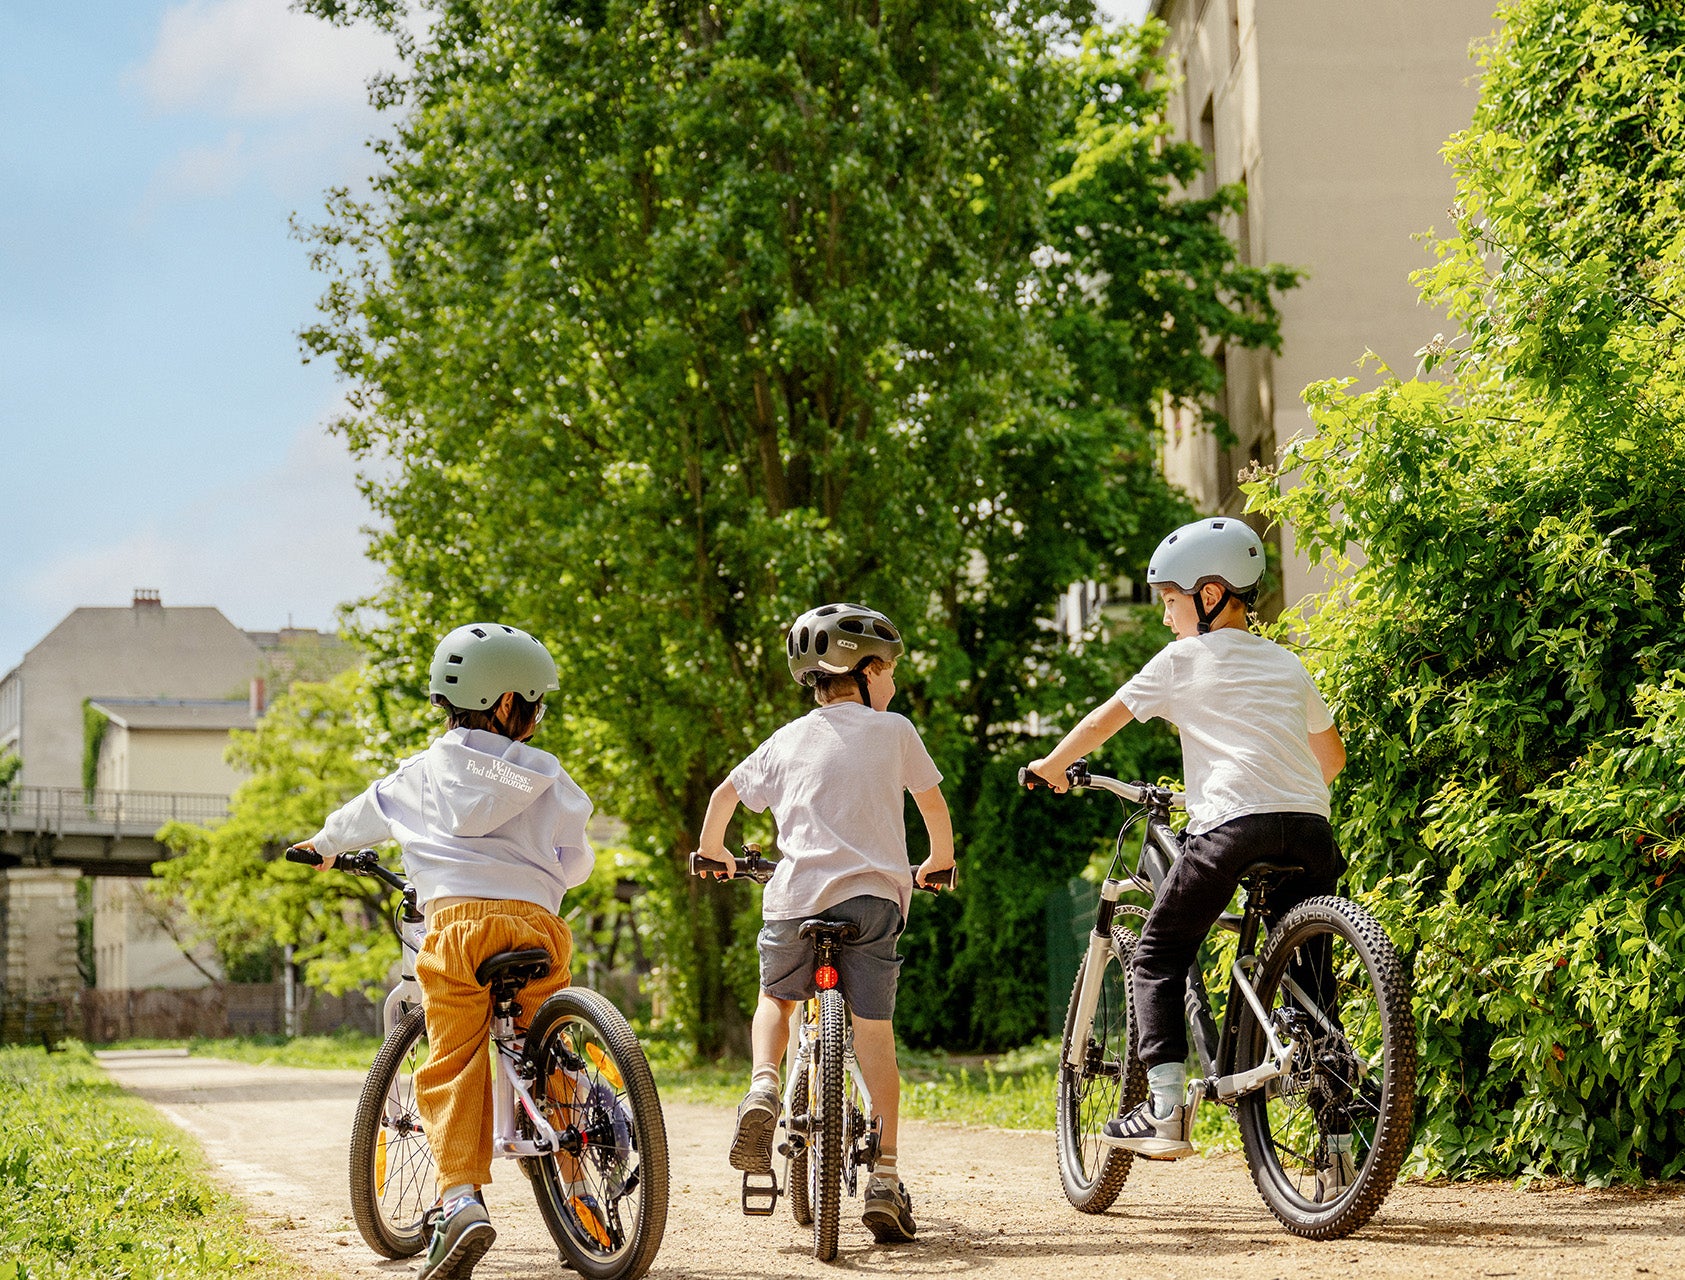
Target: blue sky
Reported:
point(159, 428)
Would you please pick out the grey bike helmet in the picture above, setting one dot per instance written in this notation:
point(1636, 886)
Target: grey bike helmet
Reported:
point(1223, 550)
point(477, 664)
point(835, 639)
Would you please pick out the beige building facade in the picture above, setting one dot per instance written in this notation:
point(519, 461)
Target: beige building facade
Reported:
point(1332, 114)
point(170, 744)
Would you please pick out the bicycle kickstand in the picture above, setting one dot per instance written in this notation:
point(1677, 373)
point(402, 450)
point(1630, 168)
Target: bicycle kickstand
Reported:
point(760, 1198)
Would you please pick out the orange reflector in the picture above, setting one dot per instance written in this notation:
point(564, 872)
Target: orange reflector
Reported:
point(825, 977)
point(605, 1065)
point(380, 1163)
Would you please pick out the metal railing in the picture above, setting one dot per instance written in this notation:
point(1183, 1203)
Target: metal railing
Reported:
point(72, 811)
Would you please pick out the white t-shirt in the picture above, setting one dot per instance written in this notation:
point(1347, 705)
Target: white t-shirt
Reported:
point(1246, 708)
point(833, 780)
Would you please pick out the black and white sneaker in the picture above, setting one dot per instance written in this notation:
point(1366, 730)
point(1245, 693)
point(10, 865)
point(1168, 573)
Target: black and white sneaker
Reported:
point(888, 1213)
point(757, 1117)
point(1155, 1137)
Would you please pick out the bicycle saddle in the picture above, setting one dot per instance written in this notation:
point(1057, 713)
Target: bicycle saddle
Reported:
point(1264, 869)
point(839, 930)
point(520, 967)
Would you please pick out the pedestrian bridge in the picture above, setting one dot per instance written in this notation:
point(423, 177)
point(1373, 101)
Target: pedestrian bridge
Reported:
point(96, 832)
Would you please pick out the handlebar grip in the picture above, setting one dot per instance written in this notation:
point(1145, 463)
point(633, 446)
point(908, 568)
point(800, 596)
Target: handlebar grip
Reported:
point(309, 857)
point(936, 880)
point(700, 866)
point(1030, 781)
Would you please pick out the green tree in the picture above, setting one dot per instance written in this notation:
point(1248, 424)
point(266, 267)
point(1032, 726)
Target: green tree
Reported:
point(1506, 659)
point(676, 319)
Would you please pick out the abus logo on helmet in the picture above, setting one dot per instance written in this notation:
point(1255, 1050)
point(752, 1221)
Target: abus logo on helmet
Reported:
point(846, 644)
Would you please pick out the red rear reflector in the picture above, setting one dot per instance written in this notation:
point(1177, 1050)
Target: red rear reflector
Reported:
point(825, 977)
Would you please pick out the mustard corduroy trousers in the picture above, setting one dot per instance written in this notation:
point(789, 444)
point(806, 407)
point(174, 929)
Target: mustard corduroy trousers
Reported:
point(453, 1087)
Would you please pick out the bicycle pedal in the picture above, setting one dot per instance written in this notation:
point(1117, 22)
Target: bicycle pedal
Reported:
point(760, 1198)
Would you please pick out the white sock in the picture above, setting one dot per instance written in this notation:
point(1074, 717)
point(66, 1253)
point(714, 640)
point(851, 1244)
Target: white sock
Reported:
point(1169, 1084)
point(455, 1193)
point(1340, 1142)
point(884, 1169)
point(767, 1073)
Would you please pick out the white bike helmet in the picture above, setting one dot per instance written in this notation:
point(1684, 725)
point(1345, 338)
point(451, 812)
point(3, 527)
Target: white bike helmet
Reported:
point(1223, 550)
point(835, 639)
point(477, 664)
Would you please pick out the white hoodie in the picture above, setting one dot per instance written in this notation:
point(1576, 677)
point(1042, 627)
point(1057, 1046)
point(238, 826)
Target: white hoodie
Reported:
point(477, 816)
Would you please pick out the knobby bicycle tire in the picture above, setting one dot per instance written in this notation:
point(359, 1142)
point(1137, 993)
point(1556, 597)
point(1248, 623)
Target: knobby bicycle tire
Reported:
point(592, 1076)
point(392, 1173)
point(1334, 1069)
point(827, 1198)
point(1111, 1081)
point(798, 1179)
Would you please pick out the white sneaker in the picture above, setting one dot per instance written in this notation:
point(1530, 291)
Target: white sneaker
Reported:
point(1333, 1181)
point(1156, 1137)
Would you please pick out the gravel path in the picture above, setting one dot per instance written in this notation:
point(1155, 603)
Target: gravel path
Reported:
point(988, 1203)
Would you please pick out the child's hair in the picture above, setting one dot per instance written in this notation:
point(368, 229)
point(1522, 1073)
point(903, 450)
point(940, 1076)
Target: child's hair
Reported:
point(828, 688)
point(523, 717)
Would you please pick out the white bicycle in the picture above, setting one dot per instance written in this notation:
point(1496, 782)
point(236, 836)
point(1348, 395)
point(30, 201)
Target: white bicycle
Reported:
point(572, 1100)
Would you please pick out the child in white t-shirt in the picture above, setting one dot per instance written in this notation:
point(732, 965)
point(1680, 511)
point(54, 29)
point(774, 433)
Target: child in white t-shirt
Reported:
point(834, 781)
point(1259, 749)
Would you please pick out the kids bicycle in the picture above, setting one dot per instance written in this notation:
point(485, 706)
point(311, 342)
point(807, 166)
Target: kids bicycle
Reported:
point(573, 1102)
point(831, 1130)
point(1316, 1054)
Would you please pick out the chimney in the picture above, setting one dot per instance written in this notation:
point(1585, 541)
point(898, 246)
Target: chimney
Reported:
point(147, 597)
point(258, 701)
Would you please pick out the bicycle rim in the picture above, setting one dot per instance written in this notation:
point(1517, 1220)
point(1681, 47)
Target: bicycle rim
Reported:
point(392, 1173)
point(1335, 987)
point(1109, 1081)
point(828, 1111)
point(606, 1205)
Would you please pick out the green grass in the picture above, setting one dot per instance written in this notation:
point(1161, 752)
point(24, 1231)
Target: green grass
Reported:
point(94, 1182)
point(348, 1050)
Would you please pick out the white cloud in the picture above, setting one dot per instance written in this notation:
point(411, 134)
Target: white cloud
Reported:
point(282, 546)
point(257, 58)
point(201, 171)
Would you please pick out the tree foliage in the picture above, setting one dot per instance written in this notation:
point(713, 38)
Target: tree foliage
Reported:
point(675, 319)
point(1507, 659)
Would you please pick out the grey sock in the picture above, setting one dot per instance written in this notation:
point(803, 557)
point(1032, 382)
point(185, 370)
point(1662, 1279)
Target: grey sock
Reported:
point(1169, 1084)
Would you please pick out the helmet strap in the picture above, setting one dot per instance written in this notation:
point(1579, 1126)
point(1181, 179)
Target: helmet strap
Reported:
point(1208, 616)
point(860, 682)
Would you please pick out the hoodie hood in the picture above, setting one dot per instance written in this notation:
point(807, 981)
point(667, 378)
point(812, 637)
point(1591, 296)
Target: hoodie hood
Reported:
point(477, 781)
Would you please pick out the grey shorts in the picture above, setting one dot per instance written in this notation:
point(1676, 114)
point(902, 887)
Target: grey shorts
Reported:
point(867, 968)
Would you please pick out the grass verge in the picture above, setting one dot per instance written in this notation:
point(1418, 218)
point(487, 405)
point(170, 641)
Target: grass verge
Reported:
point(97, 1183)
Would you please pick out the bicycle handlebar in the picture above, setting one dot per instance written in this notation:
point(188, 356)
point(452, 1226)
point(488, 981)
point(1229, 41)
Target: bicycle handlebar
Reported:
point(760, 870)
point(1134, 792)
point(365, 862)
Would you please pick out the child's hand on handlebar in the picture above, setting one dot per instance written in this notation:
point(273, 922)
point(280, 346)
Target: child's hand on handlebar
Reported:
point(718, 853)
point(1039, 773)
point(931, 867)
point(326, 859)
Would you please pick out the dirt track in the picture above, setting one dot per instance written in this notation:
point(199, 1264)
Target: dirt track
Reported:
point(988, 1204)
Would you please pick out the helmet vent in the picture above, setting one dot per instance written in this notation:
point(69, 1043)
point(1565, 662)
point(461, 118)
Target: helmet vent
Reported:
point(853, 625)
point(455, 660)
point(885, 633)
point(477, 631)
point(822, 642)
point(826, 611)
point(450, 679)
point(1253, 552)
point(1217, 524)
point(804, 639)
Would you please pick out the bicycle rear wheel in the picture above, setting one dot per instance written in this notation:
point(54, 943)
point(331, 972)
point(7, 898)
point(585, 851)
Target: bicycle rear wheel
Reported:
point(392, 1174)
point(1334, 986)
point(604, 1197)
point(1109, 1080)
point(826, 1153)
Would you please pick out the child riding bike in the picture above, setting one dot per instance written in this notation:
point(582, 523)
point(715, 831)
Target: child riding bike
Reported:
point(493, 834)
point(834, 780)
point(1259, 749)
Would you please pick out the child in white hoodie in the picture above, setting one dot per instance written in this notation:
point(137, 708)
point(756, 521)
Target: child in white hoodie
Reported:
point(493, 834)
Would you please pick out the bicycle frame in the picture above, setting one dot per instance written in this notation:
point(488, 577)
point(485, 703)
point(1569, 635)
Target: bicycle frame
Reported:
point(1216, 1047)
point(805, 1048)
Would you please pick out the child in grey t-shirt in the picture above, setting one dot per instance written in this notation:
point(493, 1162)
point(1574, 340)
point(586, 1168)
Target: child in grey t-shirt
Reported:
point(834, 781)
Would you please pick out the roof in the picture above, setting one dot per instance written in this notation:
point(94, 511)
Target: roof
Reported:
point(176, 713)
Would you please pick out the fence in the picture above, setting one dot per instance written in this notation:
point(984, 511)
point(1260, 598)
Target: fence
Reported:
point(60, 810)
point(225, 1009)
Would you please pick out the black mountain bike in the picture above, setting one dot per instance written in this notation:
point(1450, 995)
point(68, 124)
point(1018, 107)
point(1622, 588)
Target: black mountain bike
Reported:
point(1316, 1053)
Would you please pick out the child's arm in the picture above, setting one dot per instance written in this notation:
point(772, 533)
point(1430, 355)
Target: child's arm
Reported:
point(721, 805)
point(1089, 735)
point(1330, 752)
point(940, 827)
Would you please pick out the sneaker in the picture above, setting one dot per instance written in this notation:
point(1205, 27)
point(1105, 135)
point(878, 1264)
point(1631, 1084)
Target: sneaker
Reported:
point(757, 1117)
point(1332, 1181)
point(889, 1212)
point(1157, 1138)
point(461, 1237)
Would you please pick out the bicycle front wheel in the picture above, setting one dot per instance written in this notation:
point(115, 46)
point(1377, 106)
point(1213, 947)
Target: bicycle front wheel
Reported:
point(1325, 1141)
point(826, 1148)
point(392, 1175)
point(604, 1195)
point(1107, 1080)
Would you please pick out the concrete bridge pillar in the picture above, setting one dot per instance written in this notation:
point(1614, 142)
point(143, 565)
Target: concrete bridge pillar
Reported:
point(38, 927)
